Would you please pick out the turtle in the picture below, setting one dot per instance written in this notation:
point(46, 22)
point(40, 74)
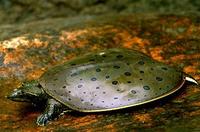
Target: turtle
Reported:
point(98, 81)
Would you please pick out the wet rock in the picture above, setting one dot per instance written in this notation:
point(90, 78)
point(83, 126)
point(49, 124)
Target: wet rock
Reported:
point(28, 50)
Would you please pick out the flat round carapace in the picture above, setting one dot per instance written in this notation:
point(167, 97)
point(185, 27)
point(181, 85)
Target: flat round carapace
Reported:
point(109, 80)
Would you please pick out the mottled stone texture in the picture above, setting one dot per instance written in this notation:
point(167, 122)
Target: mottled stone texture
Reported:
point(27, 50)
point(20, 11)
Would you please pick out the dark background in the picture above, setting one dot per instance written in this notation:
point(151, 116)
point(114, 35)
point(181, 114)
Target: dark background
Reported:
point(16, 11)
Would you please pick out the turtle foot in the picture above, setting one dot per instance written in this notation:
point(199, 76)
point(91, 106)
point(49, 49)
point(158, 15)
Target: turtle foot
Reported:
point(52, 111)
point(43, 119)
point(192, 80)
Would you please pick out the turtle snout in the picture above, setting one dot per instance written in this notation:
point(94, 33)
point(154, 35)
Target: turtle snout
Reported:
point(17, 95)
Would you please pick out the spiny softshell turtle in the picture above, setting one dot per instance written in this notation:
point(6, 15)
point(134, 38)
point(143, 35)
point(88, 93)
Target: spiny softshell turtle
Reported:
point(101, 81)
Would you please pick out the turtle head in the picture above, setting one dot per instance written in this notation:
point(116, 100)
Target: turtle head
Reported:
point(30, 91)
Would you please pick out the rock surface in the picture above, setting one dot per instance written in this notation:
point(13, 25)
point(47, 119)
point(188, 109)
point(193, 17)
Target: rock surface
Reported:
point(28, 49)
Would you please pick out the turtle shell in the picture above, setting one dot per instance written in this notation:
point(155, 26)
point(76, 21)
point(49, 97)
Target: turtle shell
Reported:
point(109, 80)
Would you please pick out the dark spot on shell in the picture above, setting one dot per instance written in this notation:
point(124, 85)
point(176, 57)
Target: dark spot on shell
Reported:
point(64, 86)
point(82, 100)
point(97, 87)
point(93, 79)
point(116, 67)
point(119, 56)
point(127, 73)
point(104, 92)
point(146, 87)
point(91, 104)
point(114, 82)
point(55, 79)
point(84, 92)
point(164, 68)
point(133, 91)
point(115, 97)
point(102, 101)
point(91, 59)
point(69, 99)
point(141, 71)
point(81, 79)
point(159, 79)
point(98, 70)
point(73, 64)
point(118, 89)
point(128, 81)
point(69, 91)
point(95, 95)
point(79, 86)
point(141, 79)
point(141, 62)
point(74, 74)
point(107, 77)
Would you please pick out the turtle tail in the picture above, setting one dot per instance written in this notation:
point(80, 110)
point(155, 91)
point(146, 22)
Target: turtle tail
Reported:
point(190, 79)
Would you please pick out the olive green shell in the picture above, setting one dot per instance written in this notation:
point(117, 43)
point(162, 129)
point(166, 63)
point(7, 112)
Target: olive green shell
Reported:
point(109, 80)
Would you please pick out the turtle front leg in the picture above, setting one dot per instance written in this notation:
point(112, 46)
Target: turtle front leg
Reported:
point(52, 111)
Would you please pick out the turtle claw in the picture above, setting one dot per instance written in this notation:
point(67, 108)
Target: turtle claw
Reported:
point(43, 119)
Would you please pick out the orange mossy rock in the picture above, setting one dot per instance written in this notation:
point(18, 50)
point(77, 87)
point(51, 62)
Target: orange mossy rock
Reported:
point(46, 43)
point(143, 118)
